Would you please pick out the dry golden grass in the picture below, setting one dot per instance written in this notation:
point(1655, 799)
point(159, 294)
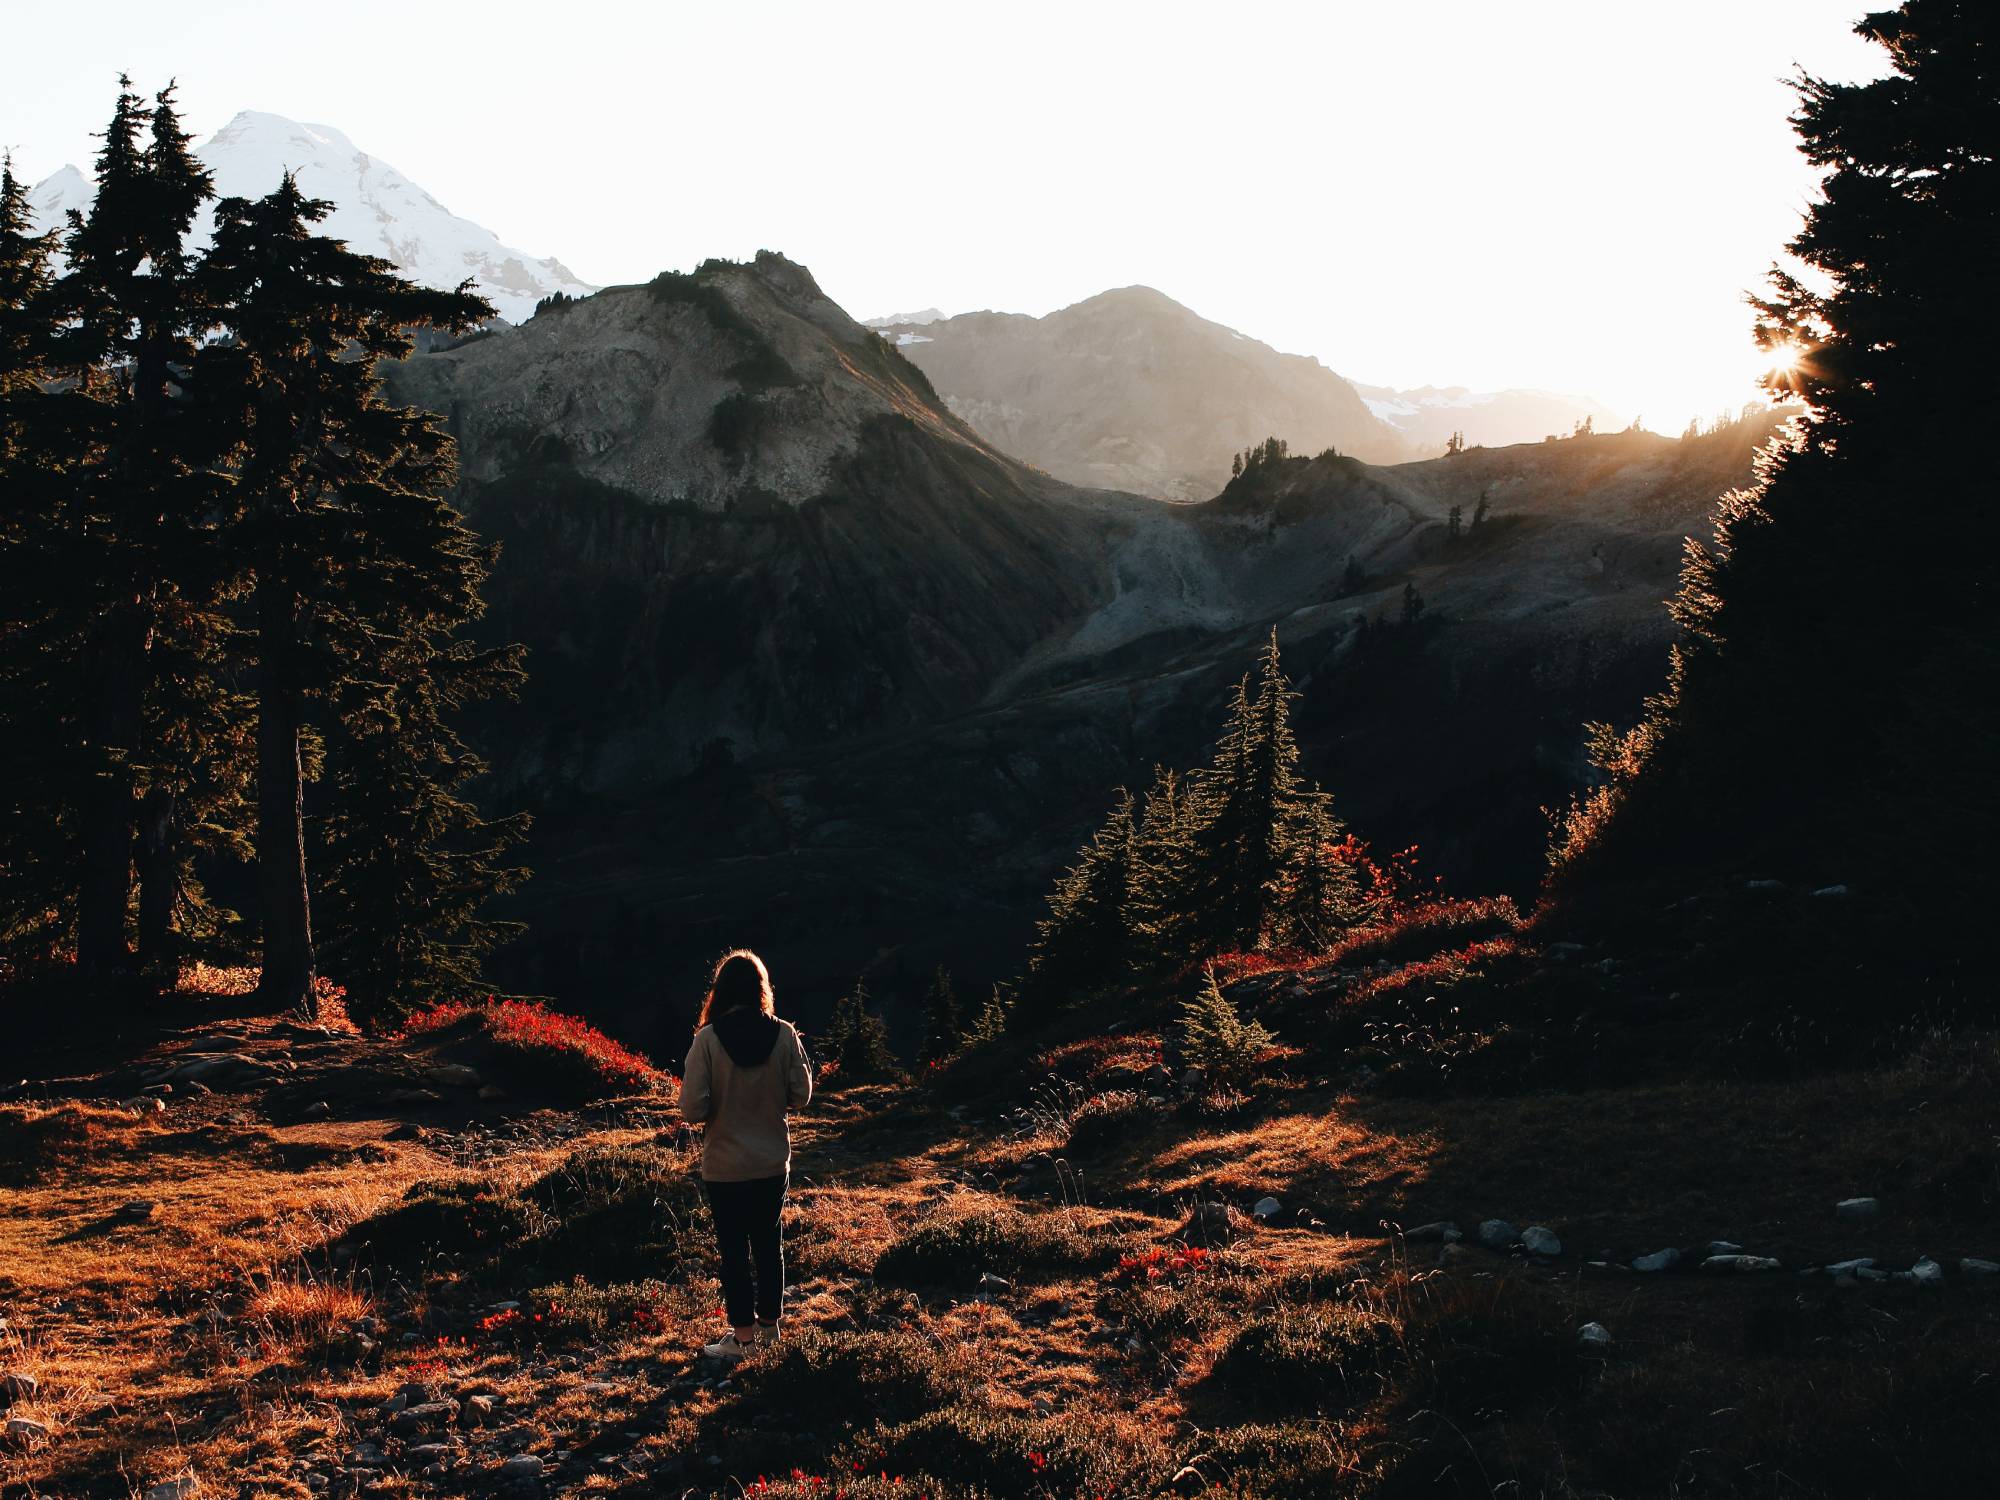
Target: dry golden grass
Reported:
point(214, 1339)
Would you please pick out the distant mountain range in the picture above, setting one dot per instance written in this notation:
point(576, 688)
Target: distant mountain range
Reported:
point(813, 661)
point(1429, 415)
point(1131, 390)
point(377, 209)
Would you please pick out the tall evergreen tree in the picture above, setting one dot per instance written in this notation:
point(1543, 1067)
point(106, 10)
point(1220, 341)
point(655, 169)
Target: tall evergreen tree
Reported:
point(356, 553)
point(1158, 899)
point(1789, 708)
point(38, 753)
point(406, 860)
point(1083, 941)
point(1247, 795)
point(140, 556)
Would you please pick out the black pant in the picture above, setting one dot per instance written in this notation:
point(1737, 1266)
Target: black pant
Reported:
point(746, 1228)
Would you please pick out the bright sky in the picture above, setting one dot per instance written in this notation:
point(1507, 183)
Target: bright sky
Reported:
point(1570, 196)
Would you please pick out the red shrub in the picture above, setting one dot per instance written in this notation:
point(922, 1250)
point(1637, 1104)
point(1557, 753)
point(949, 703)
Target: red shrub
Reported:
point(534, 1032)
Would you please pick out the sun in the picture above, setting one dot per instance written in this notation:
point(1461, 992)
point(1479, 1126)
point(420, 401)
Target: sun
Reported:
point(1785, 358)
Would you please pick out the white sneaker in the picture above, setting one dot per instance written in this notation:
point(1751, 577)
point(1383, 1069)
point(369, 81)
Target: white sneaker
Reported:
point(726, 1349)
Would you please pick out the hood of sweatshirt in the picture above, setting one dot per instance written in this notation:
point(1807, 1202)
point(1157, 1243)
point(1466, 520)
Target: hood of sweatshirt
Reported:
point(747, 1035)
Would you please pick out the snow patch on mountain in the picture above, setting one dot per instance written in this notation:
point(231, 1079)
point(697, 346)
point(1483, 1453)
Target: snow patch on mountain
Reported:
point(1430, 414)
point(377, 210)
point(920, 319)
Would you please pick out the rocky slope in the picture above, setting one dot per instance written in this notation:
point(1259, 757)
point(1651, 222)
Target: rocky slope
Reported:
point(377, 209)
point(735, 523)
point(1130, 390)
point(816, 668)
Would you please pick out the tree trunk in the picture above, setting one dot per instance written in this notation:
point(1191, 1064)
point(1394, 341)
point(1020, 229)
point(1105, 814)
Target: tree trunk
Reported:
point(104, 891)
point(287, 979)
point(159, 879)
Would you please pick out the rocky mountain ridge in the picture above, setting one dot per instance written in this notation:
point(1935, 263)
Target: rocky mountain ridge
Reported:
point(811, 659)
point(1130, 390)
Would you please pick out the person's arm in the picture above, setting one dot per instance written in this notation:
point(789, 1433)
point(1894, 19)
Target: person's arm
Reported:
point(798, 1074)
point(697, 1102)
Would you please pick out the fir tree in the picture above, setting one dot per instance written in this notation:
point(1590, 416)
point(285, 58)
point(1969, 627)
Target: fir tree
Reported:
point(991, 1022)
point(943, 1033)
point(1244, 838)
point(142, 559)
point(407, 861)
point(1083, 940)
point(38, 752)
point(1788, 709)
point(1322, 897)
point(857, 1040)
point(1215, 1038)
point(356, 555)
point(1454, 524)
point(1481, 510)
point(1158, 904)
point(1353, 576)
point(1413, 604)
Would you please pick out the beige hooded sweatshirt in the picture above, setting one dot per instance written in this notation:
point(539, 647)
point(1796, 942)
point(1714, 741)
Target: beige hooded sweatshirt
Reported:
point(743, 1073)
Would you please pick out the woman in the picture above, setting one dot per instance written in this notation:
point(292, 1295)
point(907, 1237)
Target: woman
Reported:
point(745, 1070)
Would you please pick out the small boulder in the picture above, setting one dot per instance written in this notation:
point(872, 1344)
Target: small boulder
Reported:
point(522, 1466)
point(319, 1109)
point(1267, 1209)
point(174, 1489)
point(24, 1432)
point(1659, 1260)
point(138, 1210)
point(1723, 1247)
point(1851, 1267)
point(1763, 885)
point(1971, 1265)
point(1194, 1079)
point(454, 1075)
point(1734, 1263)
point(1831, 892)
point(1857, 1208)
point(988, 1282)
point(492, 1093)
point(1594, 1336)
point(16, 1385)
point(1927, 1272)
point(412, 1096)
point(1540, 1240)
point(1497, 1234)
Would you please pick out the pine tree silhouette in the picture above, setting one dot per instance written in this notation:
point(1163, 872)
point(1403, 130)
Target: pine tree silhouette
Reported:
point(1789, 705)
point(144, 561)
point(360, 565)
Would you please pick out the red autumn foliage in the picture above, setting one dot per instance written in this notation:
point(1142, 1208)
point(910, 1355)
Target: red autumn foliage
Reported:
point(1434, 926)
point(532, 1031)
point(1162, 1263)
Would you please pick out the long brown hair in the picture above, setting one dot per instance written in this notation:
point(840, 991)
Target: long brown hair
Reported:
point(740, 979)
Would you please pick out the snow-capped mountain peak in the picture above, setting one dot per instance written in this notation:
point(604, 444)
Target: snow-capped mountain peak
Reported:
point(377, 209)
